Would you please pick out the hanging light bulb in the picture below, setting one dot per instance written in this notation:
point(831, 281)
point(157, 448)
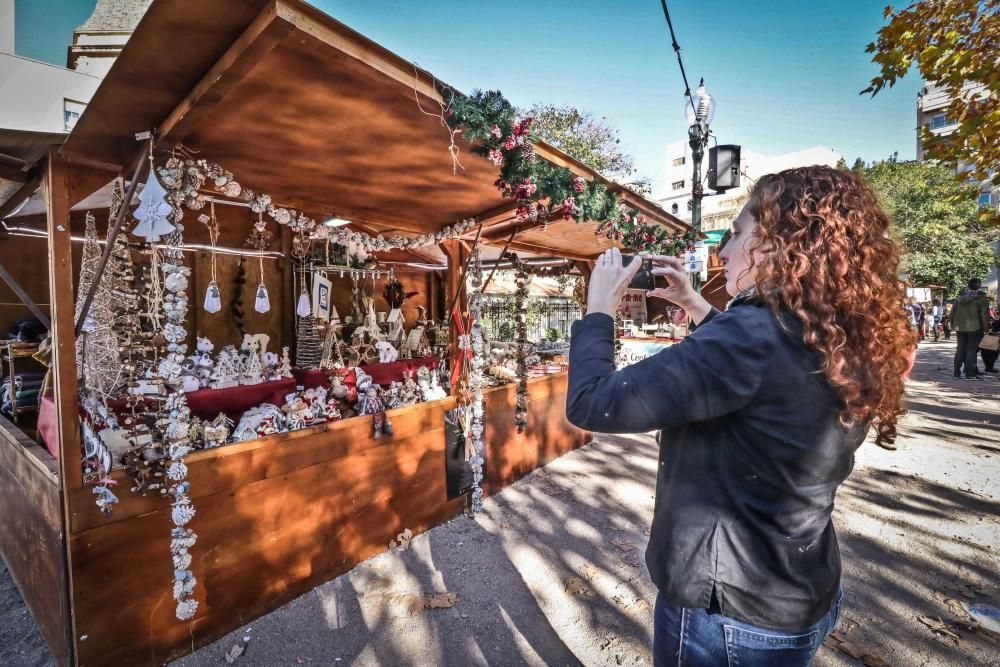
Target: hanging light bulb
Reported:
point(703, 108)
point(262, 303)
point(304, 309)
point(213, 298)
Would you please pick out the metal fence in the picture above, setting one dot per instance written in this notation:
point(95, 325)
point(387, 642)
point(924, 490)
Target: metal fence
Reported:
point(544, 313)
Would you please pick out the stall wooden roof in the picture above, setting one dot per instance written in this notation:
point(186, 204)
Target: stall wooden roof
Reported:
point(301, 107)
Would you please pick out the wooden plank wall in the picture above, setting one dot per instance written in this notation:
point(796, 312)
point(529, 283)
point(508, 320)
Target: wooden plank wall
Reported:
point(31, 534)
point(510, 455)
point(24, 258)
point(276, 517)
point(280, 515)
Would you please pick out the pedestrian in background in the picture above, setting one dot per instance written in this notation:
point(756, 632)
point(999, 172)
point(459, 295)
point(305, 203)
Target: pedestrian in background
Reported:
point(989, 352)
point(937, 312)
point(946, 321)
point(970, 317)
point(918, 319)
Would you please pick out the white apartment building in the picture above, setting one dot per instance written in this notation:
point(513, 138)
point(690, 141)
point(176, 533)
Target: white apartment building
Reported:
point(41, 102)
point(932, 107)
point(719, 210)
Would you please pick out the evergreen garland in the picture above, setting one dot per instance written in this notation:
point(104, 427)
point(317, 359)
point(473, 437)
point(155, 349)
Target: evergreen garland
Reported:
point(489, 122)
point(556, 271)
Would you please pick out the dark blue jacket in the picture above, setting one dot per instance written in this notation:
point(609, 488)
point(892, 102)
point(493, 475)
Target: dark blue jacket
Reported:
point(751, 454)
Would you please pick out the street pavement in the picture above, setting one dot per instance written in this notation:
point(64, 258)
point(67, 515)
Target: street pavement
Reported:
point(552, 571)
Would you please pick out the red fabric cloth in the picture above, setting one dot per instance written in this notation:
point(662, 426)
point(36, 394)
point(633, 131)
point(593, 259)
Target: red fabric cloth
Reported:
point(47, 424)
point(386, 374)
point(234, 401)
point(383, 374)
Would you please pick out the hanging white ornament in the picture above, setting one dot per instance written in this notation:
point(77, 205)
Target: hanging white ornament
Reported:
point(152, 211)
point(213, 298)
point(304, 308)
point(262, 303)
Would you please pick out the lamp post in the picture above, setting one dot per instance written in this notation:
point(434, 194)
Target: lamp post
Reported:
point(699, 111)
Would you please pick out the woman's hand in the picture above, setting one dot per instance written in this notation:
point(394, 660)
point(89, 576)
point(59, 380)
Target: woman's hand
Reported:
point(608, 282)
point(679, 289)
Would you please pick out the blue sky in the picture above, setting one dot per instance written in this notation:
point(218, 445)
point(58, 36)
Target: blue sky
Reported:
point(785, 73)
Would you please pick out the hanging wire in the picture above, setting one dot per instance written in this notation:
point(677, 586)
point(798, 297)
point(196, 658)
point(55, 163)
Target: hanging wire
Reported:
point(453, 147)
point(677, 50)
point(213, 236)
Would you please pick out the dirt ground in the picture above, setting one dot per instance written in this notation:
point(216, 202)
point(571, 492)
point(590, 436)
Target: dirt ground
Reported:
point(552, 573)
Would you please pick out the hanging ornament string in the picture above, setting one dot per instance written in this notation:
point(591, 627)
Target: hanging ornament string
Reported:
point(213, 296)
point(260, 238)
point(186, 178)
point(540, 271)
point(155, 297)
point(453, 149)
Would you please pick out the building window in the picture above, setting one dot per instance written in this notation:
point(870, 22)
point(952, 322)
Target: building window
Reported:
point(690, 205)
point(679, 161)
point(940, 120)
point(674, 208)
point(71, 113)
point(986, 198)
point(677, 185)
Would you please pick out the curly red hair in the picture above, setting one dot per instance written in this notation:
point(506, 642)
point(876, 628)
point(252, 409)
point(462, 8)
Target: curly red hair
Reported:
point(826, 255)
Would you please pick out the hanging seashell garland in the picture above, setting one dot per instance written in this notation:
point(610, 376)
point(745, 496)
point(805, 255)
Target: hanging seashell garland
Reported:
point(176, 438)
point(476, 367)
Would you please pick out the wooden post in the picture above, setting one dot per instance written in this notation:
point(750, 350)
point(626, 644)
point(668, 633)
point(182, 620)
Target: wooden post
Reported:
point(61, 307)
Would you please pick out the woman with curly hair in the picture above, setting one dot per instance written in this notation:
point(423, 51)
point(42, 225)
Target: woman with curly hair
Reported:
point(759, 412)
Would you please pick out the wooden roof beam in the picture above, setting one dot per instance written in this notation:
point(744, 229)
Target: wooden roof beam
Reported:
point(259, 39)
point(14, 174)
point(541, 250)
point(22, 194)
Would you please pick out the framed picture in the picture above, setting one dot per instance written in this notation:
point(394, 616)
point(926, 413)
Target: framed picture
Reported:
point(321, 297)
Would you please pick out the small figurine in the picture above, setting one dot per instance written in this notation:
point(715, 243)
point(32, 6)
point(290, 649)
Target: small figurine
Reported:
point(386, 352)
point(316, 399)
point(272, 420)
point(271, 372)
point(409, 393)
point(204, 363)
point(226, 372)
point(392, 398)
point(371, 404)
point(331, 411)
point(189, 380)
point(251, 368)
point(434, 390)
point(217, 431)
point(363, 380)
point(297, 412)
point(285, 366)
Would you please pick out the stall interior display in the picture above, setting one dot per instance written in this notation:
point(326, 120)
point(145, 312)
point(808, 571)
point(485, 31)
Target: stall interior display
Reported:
point(148, 397)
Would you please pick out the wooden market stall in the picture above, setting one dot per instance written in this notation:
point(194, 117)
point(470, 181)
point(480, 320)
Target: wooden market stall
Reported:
point(327, 122)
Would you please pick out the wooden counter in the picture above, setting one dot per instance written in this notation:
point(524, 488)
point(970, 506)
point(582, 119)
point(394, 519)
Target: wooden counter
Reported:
point(280, 515)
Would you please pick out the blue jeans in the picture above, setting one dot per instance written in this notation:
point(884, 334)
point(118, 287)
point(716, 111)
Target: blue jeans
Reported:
point(685, 637)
